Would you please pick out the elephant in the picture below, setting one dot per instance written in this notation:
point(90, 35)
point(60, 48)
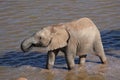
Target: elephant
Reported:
point(75, 38)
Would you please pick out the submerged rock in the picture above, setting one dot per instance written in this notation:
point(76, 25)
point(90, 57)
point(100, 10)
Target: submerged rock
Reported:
point(22, 78)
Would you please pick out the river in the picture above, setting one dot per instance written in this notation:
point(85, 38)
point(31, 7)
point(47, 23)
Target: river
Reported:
point(21, 18)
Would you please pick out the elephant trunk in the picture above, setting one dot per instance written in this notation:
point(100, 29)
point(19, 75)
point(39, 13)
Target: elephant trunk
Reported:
point(27, 44)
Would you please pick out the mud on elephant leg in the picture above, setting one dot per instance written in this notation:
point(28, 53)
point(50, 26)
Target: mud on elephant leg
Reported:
point(51, 59)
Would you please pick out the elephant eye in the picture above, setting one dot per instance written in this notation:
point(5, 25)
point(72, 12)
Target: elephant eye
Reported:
point(40, 37)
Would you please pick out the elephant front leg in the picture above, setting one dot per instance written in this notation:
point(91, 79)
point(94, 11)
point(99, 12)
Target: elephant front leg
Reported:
point(70, 61)
point(50, 59)
point(70, 53)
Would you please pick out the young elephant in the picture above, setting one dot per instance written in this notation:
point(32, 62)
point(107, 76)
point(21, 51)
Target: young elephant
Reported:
point(73, 38)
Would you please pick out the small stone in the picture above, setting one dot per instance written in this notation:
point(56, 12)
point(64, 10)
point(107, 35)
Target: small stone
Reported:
point(22, 78)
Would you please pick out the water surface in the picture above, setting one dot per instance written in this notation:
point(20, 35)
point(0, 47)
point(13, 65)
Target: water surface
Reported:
point(20, 19)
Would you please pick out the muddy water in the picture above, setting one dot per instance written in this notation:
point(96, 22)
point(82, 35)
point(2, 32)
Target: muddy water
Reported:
point(20, 19)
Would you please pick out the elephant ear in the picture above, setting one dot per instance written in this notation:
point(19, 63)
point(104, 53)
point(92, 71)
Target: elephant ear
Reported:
point(59, 37)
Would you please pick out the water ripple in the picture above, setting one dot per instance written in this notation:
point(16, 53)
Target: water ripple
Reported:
point(111, 39)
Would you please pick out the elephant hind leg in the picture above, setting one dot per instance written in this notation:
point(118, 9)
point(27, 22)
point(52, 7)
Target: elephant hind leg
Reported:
point(82, 59)
point(99, 51)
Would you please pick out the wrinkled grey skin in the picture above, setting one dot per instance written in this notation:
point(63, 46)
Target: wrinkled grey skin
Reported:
point(73, 38)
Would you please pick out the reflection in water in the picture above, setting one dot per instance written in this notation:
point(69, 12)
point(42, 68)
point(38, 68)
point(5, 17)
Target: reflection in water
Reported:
point(61, 75)
point(76, 76)
point(49, 76)
point(83, 76)
point(71, 75)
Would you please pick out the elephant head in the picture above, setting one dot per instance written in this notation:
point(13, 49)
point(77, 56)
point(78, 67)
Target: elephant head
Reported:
point(51, 37)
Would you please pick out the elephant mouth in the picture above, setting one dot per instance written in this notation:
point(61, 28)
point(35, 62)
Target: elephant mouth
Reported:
point(37, 45)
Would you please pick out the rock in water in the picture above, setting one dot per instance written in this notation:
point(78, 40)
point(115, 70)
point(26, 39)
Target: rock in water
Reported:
point(22, 78)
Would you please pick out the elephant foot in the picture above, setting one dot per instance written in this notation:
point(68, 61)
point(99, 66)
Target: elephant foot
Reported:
point(71, 68)
point(49, 66)
point(82, 65)
point(105, 62)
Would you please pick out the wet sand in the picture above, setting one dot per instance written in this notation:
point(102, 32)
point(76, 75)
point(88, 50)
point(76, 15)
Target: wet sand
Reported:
point(20, 19)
